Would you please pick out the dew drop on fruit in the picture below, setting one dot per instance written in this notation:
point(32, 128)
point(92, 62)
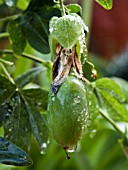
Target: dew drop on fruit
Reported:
point(71, 150)
point(77, 99)
point(51, 30)
point(90, 103)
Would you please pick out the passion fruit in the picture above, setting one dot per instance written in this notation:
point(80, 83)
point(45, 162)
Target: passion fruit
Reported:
point(67, 113)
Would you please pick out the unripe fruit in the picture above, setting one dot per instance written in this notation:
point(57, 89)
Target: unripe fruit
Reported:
point(67, 113)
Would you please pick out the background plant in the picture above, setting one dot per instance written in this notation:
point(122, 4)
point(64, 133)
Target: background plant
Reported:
point(24, 84)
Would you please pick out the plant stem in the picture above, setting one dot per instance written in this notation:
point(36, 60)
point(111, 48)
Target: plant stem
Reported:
point(62, 8)
point(47, 64)
point(4, 35)
point(7, 73)
point(6, 62)
point(111, 122)
point(9, 18)
point(124, 150)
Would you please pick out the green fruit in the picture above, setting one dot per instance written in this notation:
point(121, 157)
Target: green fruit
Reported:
point(67, 113)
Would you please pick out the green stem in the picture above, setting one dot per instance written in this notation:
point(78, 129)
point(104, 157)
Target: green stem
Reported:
point(62, 8)
point(111, 122)
point(8, 63)
point(47, 64)
point(7, 73)
point(9, 18)
point(4, 35)
point(86, 81)
point(124, 150)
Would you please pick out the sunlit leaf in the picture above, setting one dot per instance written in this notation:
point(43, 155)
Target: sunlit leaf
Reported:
point(124, 86)
point(23, 4)
point(111, 87)
point(1, 1)
point(12, 155)
point(115, 110)
point(107, 4)
point(74, 8)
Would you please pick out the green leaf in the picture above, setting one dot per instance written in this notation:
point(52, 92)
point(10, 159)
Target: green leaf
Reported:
point(36, 4)
point(110, 86)
point(10, 154)
point(5, 111)
point(1, 1)
point(93, 112)
point(36, 101)
point(28, 76)
point(46, 12)
point(74, 8)
point(16, 124)
point(45, 9)
point(107, 4)
point(23, 4)
point(124, 86)
point(10, 3)
point(67, 29)
point(17, 36)
point(35, 32)
point(38, 126)
point(37, 98)
point(6, 89)
point(114, 109)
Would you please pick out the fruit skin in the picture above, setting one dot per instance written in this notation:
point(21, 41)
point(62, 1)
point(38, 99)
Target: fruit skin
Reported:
point(67, 113)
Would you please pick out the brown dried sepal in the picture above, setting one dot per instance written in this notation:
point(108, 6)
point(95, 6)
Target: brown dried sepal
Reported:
point(64, 61)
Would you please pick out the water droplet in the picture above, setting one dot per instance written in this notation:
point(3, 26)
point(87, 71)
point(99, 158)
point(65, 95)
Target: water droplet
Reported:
point(9, 110)
point(61, 98)
point(72, 150)
point(51, 30)
point(90, 103)
point(77, 99)
point(7, 115)
point(9, 129)
point(39, 103)
point(84, 111)
point(43, 148)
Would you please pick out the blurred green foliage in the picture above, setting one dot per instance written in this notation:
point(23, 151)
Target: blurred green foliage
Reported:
point(99, 149)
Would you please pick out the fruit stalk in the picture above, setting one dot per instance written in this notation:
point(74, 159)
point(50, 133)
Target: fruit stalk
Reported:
point(62, 8)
